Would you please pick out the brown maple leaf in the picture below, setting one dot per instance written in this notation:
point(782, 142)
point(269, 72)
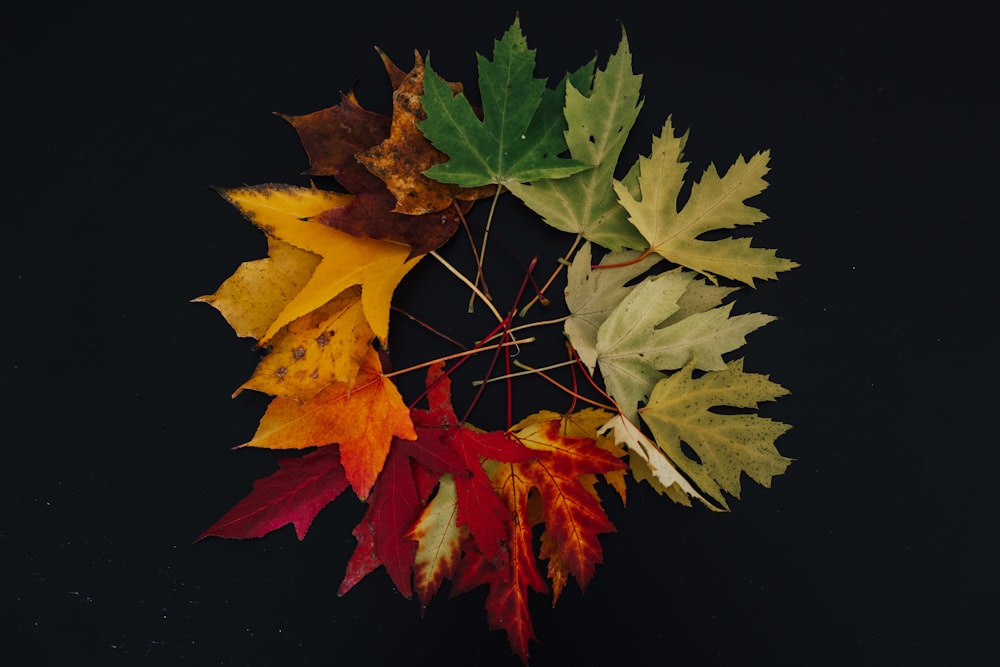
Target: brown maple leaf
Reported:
point(401, 159)
point(333, 138)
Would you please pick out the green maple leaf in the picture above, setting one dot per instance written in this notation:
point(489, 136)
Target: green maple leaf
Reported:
point(727, 445)
point(716, 202)
point(599, 116)
point(520, 136)
point(633, 344)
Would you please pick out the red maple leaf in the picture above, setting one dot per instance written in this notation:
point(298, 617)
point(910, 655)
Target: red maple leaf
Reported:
point(554, 487)
point(294, 494)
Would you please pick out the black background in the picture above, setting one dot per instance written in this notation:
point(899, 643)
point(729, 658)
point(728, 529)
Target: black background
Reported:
point(871, 549)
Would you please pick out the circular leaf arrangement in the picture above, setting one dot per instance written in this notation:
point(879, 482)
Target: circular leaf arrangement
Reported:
point(648, 368)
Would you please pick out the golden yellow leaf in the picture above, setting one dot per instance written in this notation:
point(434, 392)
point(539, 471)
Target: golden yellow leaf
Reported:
point(327, 345)
point(284, 212)
point(257, 292)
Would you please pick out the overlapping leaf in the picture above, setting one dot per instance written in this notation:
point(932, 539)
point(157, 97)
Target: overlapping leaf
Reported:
point(600, 115)
point(288, 213)
point(633, 347)
point(446, 500)
point(726, 445)
point(362, 419)
point(400, 160)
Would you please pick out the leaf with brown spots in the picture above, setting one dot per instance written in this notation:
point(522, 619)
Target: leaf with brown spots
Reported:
point(401, 159)
point(326, 345)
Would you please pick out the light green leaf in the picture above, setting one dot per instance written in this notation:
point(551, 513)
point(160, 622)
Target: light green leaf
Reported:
point(632, 346)
point(520, 135)
point(716, 202)
point(600, 115)
point(591, 295)
point(726, 445)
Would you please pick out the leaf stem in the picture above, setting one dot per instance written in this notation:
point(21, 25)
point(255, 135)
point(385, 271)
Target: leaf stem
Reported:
point(529, 325)
point(481, 259)
point(645, 253)
point(458, 355)
point(574, 394)
point(528, 371)
point(443, 335)
point(476, 291)
point(540, 296)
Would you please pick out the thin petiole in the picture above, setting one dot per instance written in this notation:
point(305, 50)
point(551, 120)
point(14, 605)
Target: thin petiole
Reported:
point(457, 355)
point(476, 291)
point(563, 261)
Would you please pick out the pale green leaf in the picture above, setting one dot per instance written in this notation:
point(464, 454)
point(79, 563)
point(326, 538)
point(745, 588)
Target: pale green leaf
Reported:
point(632, 346)
point(591, 295)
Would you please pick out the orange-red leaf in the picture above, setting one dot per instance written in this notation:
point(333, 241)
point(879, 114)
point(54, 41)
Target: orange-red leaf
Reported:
point(571, 509)
point(362, 419)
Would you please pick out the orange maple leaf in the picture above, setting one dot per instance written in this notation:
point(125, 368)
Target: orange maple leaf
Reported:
point(362, 419)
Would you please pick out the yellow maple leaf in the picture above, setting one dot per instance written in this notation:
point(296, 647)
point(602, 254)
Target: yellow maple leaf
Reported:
point(363, 420)
point(284, 212)
point(257, 292)
point(327, 345)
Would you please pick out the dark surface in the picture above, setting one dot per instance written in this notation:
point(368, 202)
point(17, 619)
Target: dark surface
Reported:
point(871, 549)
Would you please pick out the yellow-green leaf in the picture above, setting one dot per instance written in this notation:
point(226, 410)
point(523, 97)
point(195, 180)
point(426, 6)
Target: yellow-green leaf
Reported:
point(716, 202)
point(680, 410)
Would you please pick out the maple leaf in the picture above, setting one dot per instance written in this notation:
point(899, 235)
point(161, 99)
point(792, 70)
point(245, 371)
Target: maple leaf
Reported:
point(333, 139)
point(715, 202)
point(395, 504)
point(442, 446)
point(561, 477)
point(288, 213)
point(726, 445)
point(479, 508)
point(439, 541)
point(655, 467)
point(591, 295)
point(363, 419)
point(600, 116)
point(632, 346)
point(294, 494)
point(572, 513)
point(253, 297)
point(520, 135)
point(327, 345)
point(401, 159)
